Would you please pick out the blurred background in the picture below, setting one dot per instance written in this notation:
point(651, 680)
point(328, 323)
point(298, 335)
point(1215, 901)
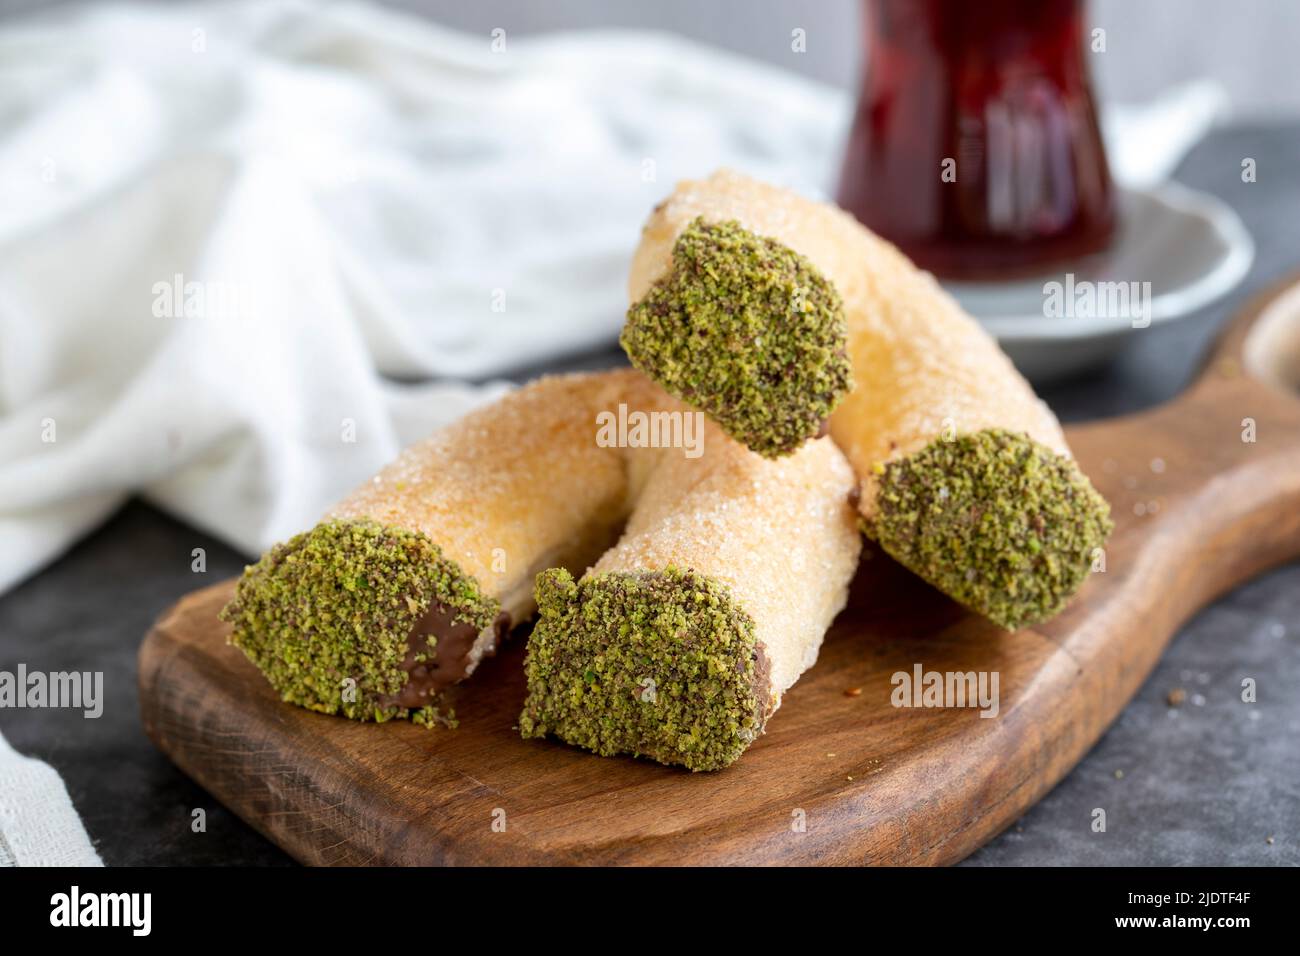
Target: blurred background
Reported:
point(1248, 45)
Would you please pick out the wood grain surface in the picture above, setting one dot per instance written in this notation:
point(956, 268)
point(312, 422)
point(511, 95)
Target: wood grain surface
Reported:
point(841, 776)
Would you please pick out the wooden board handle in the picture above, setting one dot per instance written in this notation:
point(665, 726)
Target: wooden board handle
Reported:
point(1213, 476)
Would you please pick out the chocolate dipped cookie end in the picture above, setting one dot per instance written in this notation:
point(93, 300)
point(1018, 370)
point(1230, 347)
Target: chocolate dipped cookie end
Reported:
point(658, 664)
point(364, 620)
point(994, 519)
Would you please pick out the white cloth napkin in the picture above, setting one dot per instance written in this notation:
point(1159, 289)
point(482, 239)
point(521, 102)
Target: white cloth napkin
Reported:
point(354, 194)
point(38, 826)
point(1145, 142)
point(224, 229)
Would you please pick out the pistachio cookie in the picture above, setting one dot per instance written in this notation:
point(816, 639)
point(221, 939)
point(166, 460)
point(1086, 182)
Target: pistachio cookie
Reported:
point(965, 474)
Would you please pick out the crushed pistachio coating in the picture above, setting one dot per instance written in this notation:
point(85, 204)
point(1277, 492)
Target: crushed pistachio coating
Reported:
point(747, 330)
point(339, 602)
point(653, 664)
point(995, 520)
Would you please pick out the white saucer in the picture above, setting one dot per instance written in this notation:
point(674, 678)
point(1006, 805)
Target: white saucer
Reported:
point(1191, 247)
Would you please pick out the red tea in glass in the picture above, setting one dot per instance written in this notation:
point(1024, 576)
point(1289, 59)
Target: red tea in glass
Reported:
point(976, 146)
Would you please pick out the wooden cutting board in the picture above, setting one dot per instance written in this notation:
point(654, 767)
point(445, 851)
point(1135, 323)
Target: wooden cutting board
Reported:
point(841, 776)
